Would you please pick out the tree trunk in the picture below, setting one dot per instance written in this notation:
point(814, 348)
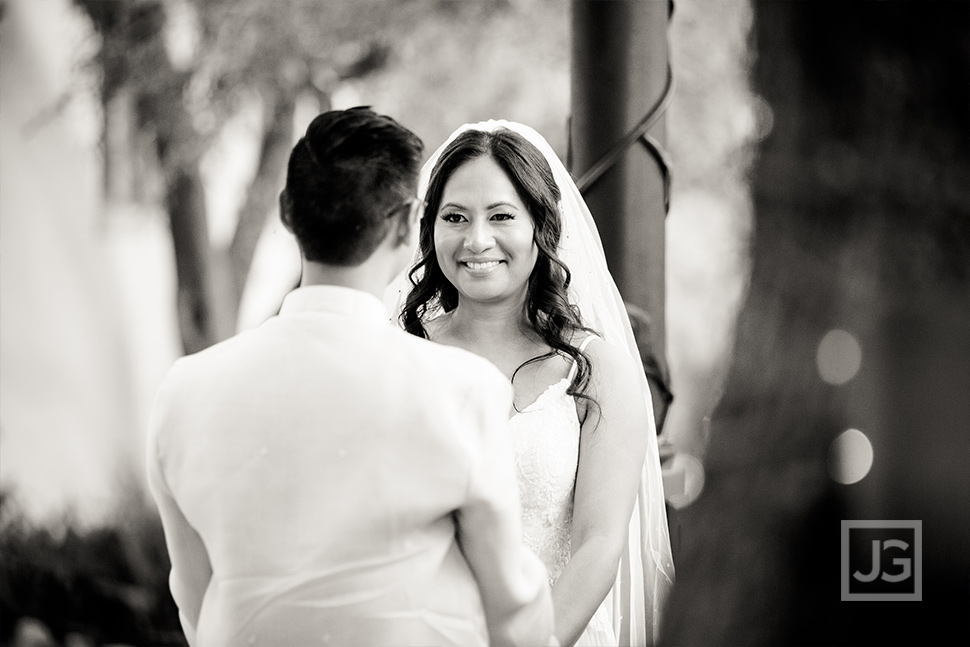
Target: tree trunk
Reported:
point(185, 203)
point(263, 191)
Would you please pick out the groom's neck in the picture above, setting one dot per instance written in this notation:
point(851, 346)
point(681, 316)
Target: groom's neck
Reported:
point(368, 277)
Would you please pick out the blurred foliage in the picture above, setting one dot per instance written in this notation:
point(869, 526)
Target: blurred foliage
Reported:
point(713, 120)
point(107, 584)
point(174, 71)
point(216, 53)
point(461, 62)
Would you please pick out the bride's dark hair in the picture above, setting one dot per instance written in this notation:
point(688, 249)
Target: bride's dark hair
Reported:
point(547, 307)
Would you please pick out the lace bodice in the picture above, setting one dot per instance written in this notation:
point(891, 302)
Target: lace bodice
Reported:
point(545, 437)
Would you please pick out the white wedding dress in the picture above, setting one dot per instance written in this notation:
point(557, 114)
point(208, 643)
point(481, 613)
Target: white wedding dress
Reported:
point(545, 437)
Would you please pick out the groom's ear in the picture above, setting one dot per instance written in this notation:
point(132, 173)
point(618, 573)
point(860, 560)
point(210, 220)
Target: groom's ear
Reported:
point(402, 230)
point(286, 210)
point(407, 226)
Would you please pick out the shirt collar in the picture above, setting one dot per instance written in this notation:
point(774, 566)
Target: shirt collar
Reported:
point(334, 299)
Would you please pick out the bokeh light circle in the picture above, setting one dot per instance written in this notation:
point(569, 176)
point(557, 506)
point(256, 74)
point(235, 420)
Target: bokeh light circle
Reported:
point(850, 457)
point(838, 357)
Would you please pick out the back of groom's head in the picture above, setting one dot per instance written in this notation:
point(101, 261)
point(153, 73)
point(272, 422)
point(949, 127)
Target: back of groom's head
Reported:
point(347, 177)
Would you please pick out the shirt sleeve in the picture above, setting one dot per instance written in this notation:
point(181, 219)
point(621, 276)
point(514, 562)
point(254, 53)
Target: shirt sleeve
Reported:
point(191, 569)
point(512, 580)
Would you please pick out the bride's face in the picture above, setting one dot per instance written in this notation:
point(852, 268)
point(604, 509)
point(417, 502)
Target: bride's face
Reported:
point(484, 235)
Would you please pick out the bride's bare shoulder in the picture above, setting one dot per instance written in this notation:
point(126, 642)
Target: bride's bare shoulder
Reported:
point(581, 337)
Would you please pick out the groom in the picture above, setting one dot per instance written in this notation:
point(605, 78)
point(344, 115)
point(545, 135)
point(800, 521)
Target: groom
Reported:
point(327, 478)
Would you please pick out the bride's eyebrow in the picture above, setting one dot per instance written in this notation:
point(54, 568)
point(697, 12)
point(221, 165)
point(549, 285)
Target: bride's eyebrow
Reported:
point(496, 205)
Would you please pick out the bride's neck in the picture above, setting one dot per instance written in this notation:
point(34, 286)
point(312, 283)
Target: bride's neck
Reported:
point(488, 325)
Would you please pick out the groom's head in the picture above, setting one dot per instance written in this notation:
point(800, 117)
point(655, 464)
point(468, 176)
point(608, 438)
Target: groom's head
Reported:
point(349, 182)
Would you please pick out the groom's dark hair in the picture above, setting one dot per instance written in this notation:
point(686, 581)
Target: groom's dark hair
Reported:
point(347, 176)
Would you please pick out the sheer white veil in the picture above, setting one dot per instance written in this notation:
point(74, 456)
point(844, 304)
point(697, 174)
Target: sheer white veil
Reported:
point(646, 569)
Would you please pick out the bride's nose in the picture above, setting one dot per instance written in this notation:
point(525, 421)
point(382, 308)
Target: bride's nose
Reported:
point(478, 237)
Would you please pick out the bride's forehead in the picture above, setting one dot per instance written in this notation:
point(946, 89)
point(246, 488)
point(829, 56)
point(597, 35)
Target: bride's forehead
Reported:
point(479, 176)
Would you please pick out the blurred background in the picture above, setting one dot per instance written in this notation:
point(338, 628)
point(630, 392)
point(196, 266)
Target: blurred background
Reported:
point(815, 266)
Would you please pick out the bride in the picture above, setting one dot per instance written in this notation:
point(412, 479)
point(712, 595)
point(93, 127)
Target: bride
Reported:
point(510, 267)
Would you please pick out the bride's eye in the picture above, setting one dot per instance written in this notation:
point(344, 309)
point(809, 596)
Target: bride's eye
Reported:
point(452, 217)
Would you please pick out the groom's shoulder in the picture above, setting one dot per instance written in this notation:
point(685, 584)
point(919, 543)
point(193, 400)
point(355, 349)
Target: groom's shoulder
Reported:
point(216, 357)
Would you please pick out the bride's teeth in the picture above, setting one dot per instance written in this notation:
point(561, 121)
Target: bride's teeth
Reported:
point(481, 266)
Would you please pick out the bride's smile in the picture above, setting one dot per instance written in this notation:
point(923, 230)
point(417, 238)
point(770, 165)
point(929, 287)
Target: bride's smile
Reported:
point(480, 266)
